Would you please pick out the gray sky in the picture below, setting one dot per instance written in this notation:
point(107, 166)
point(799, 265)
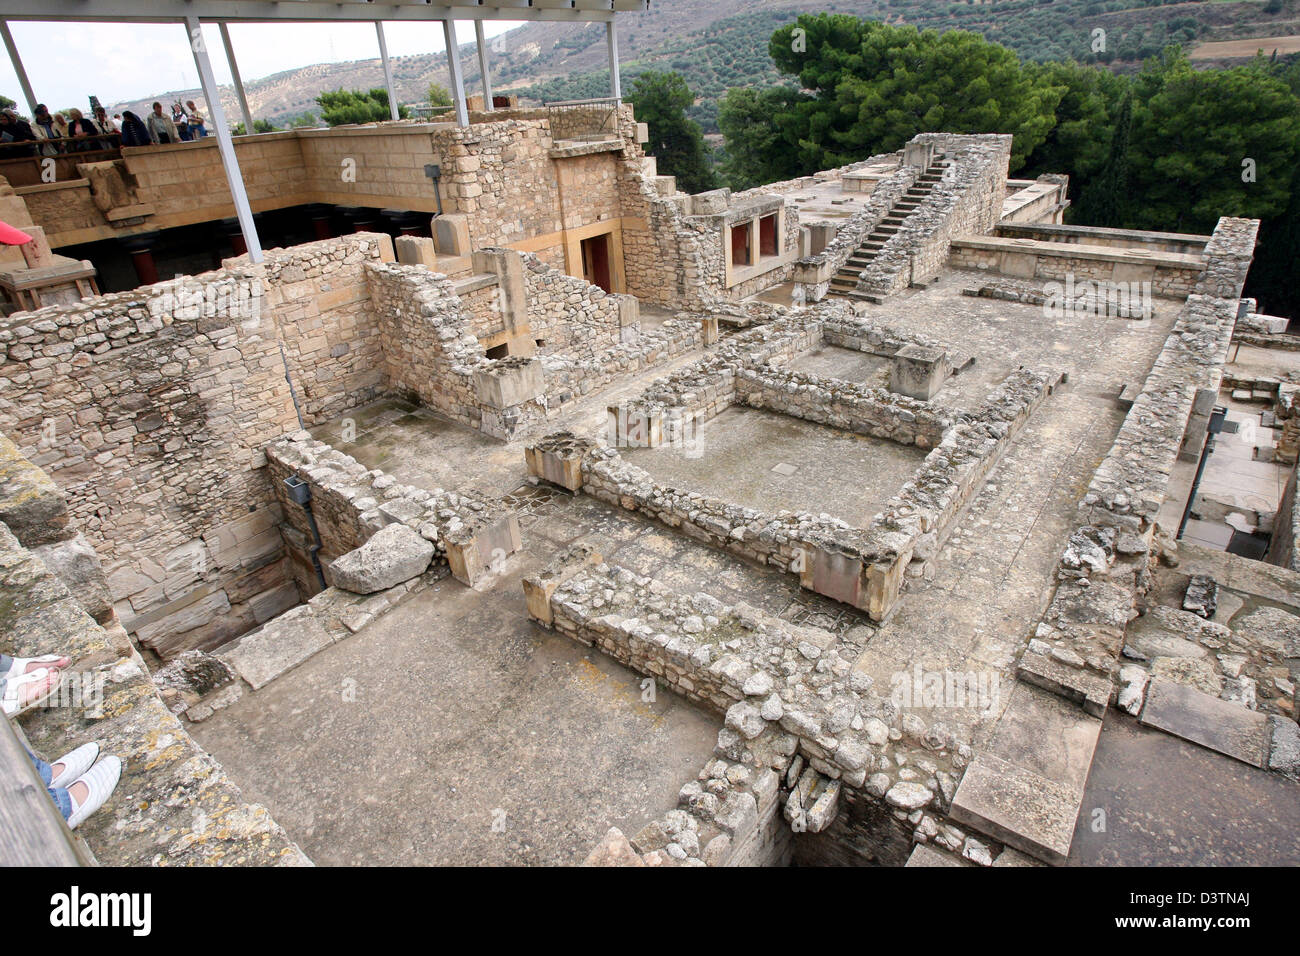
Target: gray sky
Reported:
point(66, 62)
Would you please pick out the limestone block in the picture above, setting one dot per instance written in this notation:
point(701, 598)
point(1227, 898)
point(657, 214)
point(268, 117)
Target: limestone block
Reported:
point(393, 554)
point(710, 203)
point(539, 587)
point(451, 234)
point(263, 655)
point(918, 371)
point(614, 849)
point(416, 251)
point(509, 382)
point(31, 504)
point(478, 555)
point(77, 565)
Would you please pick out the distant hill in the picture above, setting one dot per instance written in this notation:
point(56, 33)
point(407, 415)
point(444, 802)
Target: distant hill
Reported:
point(724, 43)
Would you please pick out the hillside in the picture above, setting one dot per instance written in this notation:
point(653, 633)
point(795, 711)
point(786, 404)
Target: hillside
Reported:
point(724, 44)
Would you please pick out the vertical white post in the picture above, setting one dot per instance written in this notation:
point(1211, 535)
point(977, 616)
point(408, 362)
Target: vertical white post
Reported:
point(225, 145)
point(453, 68)
point(615, 84)
point(235, 78)
point(483, 65)
point(388, 70)
point(18, 66)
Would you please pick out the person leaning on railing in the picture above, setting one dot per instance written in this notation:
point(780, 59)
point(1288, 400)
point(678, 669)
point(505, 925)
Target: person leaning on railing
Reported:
point(16, 136)
point(82, 133)
point(47, 131)
point(134, 131)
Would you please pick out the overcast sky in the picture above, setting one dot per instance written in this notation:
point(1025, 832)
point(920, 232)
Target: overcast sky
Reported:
point(66, 62)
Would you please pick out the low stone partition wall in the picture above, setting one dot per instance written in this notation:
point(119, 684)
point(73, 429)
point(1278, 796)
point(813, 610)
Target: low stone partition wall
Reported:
point(1171, 274)
point(856, 408)
point(800, 724)
point(174, 805)
point(566, 378)
point(350, 502)
point(861, 567)
point(1181, 243)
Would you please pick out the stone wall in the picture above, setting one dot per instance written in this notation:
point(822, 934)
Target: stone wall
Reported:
point(797, 718)
point(174, 805)
point(471, 532)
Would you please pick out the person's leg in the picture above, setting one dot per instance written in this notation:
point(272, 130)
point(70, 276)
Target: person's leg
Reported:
point(62, 799)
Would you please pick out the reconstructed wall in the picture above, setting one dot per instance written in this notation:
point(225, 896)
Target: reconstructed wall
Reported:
point(174, 805)
point(151, 409)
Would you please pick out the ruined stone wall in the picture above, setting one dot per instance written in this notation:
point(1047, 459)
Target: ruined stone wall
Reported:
point(430, 350)
point(847, 405)
point(174, 805)
point(795, 715)
point(1282, 548)
point(351, 502)
point(570, 315)
point(138, 404)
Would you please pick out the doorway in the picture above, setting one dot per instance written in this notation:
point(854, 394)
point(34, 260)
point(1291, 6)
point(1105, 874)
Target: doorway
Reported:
point(595, 261)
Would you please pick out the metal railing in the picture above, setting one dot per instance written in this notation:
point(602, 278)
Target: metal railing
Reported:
point(594, 118)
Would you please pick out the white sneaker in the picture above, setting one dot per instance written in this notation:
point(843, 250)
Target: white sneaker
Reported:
point(100, 779)
point(75, 763)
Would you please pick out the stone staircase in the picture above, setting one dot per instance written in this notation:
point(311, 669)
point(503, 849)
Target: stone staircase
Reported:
point(845, 282)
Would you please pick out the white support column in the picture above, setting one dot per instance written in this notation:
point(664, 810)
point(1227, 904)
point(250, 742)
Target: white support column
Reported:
point(483, 65)
point(235, 78)
point(225, 145)
point(18, 66)
point(453, 67)
point(615, 83)
point(388, 71)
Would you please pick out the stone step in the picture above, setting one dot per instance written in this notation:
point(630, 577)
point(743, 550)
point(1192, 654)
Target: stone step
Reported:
point(1026, 788)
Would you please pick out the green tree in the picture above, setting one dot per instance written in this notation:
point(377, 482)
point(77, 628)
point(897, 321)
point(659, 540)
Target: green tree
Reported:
point(763, 130)
point(660, 101)
point(437, 95)
point(876, 86)
point(259, 126)
point(347, 107)
point(1211, 143)
point(1079, 141)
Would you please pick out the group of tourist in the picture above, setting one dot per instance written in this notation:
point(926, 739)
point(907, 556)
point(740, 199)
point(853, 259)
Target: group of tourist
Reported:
point(79, 782)
point(50, 134)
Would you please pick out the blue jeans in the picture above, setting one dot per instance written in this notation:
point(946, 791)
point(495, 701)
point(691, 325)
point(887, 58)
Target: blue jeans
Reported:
point(62, 799)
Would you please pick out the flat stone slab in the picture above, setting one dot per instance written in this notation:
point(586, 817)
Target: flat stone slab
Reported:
point(926, 855)
point(1220, 725)
point(1046, 735)
point(1090, 691)
point(285, 642)
point(1018, 807)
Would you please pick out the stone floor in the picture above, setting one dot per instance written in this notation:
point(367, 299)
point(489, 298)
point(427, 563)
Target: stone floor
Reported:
point(994, 576)
point(1155, 800)
point(454, 731)
point(761, 459)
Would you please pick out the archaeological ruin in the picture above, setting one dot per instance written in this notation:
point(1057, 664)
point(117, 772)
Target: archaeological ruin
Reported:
point(872, 518)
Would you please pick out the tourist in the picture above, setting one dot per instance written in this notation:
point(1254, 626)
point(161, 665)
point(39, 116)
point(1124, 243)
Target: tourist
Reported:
point(197, 123)
point(16, 131)
point(46, 132)
point(134, 131)
point(103, 123)
point(161, 128)
point(107, 128)
point(61, 126)
point(181, 122)
point(82, 132)
point(79, 782)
